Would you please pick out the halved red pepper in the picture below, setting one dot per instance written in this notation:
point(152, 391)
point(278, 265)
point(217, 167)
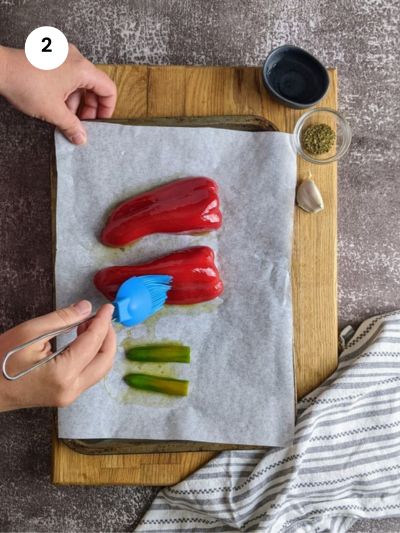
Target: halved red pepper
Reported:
point(195, 277)
point(188, 205)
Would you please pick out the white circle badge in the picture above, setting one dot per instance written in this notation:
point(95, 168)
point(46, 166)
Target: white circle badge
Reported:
point(46, 48)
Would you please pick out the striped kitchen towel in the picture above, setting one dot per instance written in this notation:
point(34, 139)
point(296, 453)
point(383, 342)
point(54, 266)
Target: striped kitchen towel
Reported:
point(343, 464)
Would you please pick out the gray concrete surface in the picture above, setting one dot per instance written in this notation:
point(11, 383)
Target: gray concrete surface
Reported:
point(360, 38)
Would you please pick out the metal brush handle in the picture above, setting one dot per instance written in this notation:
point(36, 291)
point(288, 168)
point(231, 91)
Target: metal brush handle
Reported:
point(43, 337)
point(137, 298)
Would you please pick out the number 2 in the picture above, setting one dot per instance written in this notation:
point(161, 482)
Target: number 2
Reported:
point(46, 47)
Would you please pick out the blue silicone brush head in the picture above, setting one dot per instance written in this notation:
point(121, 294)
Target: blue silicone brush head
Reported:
point(138, 298)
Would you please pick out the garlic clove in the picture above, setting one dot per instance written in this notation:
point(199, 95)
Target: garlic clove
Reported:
point(308, 197)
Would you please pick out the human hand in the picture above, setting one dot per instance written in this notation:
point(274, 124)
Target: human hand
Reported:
point(55, 95)
point(60, 381)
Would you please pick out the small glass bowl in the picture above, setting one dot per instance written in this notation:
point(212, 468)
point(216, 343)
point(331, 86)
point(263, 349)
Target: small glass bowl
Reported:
point(323, 115)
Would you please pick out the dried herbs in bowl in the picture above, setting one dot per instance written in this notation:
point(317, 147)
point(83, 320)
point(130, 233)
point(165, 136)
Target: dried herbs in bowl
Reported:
point(321, 135)
point(318, 139)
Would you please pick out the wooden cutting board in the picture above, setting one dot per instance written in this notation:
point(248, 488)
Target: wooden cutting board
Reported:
point(177, 91)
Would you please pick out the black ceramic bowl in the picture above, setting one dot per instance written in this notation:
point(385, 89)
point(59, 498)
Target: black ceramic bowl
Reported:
point(294, 77)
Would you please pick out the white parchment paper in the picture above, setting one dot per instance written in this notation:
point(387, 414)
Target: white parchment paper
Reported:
point(241, 373)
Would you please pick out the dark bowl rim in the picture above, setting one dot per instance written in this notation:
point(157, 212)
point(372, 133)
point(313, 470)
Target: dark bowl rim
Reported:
point(301, 105)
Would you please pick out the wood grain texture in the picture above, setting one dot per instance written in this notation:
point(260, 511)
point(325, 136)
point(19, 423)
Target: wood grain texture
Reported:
point(201, 91)
point(72, 468)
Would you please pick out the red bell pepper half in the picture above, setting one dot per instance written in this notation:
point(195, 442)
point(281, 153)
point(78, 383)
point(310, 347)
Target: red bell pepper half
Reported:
point(195, 277)
point(188, 205)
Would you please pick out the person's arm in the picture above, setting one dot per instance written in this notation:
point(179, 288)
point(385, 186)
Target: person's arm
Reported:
point(55, 95)
point(63, 379)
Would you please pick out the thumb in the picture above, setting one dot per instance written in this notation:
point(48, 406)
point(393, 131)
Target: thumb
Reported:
point(60, 318)
point(70, 126)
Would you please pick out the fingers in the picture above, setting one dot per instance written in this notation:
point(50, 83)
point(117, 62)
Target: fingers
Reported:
point(36, 327)
point(82, 327)
point(64, 378)
point(25, 358)
point(46, 324)
point(90, 106)
point(87, 360)
point(99, 102)
point(86, 346)
point(69, 124)
point(105, 90)
point(59, 319)
point(102, 362)
point(100, 96)
point(73, 101)
point(53, 95)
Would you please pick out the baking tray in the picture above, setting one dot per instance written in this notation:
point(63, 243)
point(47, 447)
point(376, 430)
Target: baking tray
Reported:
point(124, 446)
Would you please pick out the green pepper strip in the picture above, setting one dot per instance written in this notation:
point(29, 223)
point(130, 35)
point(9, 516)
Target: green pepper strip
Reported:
point(159, 353)
point(175, 387)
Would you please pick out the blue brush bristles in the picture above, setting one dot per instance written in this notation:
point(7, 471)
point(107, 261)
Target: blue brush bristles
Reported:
point(140, 297)
point(158, 287)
